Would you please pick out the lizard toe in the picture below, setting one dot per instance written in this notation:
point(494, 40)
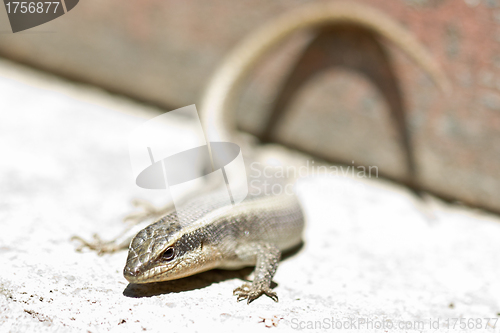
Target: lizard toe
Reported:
point(251, 293)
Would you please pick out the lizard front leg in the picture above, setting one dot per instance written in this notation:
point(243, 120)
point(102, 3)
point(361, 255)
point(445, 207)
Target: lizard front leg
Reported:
point(266, 257)
point(147, 211)
point(136, 222)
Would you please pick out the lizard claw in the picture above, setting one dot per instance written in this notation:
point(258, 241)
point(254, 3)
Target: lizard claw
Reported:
point(251, 292)
point(97, 245)
point(147, 210)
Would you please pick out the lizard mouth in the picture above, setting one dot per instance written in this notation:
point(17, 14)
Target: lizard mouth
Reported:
point(135, 275)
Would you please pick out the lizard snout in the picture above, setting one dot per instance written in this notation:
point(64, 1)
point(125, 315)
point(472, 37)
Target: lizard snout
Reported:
point(131, 273)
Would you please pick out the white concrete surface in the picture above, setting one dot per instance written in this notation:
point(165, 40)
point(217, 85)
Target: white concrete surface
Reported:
point(372, 251)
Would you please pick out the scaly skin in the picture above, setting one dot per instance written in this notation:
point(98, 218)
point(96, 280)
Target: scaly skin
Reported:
point(256, 231)
point(252, 233)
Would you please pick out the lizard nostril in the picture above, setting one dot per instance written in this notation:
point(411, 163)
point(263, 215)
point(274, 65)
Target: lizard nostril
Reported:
point(130, 273)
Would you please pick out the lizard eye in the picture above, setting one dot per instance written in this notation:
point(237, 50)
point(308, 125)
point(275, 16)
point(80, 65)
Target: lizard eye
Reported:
point(168, 254)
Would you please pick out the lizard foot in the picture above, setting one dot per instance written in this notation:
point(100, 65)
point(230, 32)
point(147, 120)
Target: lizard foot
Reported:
point(251, 292)
point(97, 245)
point(147, 211)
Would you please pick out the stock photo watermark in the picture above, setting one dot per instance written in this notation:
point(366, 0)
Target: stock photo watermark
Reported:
point(180, 166)
point(25, 15)
point(262, 178)
point(488, 324)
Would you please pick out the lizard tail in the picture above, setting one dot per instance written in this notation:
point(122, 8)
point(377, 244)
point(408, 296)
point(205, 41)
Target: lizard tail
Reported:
point(217, 119)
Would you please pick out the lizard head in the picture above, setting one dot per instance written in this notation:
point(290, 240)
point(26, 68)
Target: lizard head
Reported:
point(165, 251)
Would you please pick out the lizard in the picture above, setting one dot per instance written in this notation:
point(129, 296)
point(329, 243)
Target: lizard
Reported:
point(258, 230)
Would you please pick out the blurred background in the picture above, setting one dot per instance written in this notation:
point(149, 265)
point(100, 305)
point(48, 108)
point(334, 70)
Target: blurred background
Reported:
point(73, 89)
point(163, 53)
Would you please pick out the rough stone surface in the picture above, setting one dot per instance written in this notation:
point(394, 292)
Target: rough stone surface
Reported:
point(371, 250)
